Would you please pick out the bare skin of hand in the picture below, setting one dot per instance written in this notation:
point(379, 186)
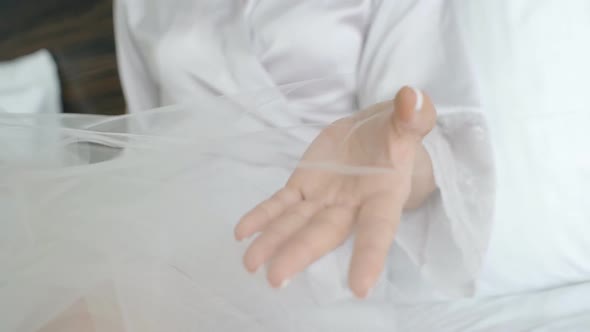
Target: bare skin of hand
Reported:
point(319, 209)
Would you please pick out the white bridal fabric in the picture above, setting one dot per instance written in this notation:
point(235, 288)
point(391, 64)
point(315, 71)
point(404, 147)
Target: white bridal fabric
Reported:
point(138, 237)
point(144, 235)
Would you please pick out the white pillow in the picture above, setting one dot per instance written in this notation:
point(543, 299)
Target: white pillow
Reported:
point(533, 59)
point(28, 85)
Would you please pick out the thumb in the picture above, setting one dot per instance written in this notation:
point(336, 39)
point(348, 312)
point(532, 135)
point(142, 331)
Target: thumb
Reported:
point(414, 114)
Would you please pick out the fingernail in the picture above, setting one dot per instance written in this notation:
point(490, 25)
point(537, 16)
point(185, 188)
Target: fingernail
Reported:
point(419, 99)
point(237, 235)
point(285, 283)
point(365, 294)
point(251, 268)
point(247, 238)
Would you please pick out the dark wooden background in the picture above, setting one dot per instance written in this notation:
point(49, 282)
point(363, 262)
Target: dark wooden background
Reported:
point(79, 35)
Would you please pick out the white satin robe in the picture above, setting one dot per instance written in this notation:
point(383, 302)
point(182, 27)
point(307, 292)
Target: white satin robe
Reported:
point(172, 51)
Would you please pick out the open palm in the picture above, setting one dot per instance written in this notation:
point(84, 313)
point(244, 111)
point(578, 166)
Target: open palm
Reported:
point(320, 207)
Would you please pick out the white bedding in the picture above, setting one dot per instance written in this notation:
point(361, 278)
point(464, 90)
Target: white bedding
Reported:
point(562, 309)
point(531, 58)
point(29, 85)
point(532, 63)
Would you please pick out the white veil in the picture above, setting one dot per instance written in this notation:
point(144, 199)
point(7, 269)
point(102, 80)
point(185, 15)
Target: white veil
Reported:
point(125, 223)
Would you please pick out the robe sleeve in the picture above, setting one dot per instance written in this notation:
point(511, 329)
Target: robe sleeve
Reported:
point(419, 43)
point(140, 89)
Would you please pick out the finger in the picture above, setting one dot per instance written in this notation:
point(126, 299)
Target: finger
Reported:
point(376, 225)
point(327, 230)
point(262, 214)
point(414, 113)
point(276, 233)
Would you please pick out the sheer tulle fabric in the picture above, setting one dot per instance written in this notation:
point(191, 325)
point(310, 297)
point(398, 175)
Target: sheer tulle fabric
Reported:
point(128, 222)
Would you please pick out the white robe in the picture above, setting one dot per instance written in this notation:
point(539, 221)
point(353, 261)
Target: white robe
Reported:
point(173, 52)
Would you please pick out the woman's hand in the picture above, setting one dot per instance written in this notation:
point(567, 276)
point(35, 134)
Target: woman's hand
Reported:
point(319, 209)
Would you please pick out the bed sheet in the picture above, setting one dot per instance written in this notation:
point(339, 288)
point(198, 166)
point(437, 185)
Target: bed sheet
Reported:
point(561, 309)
